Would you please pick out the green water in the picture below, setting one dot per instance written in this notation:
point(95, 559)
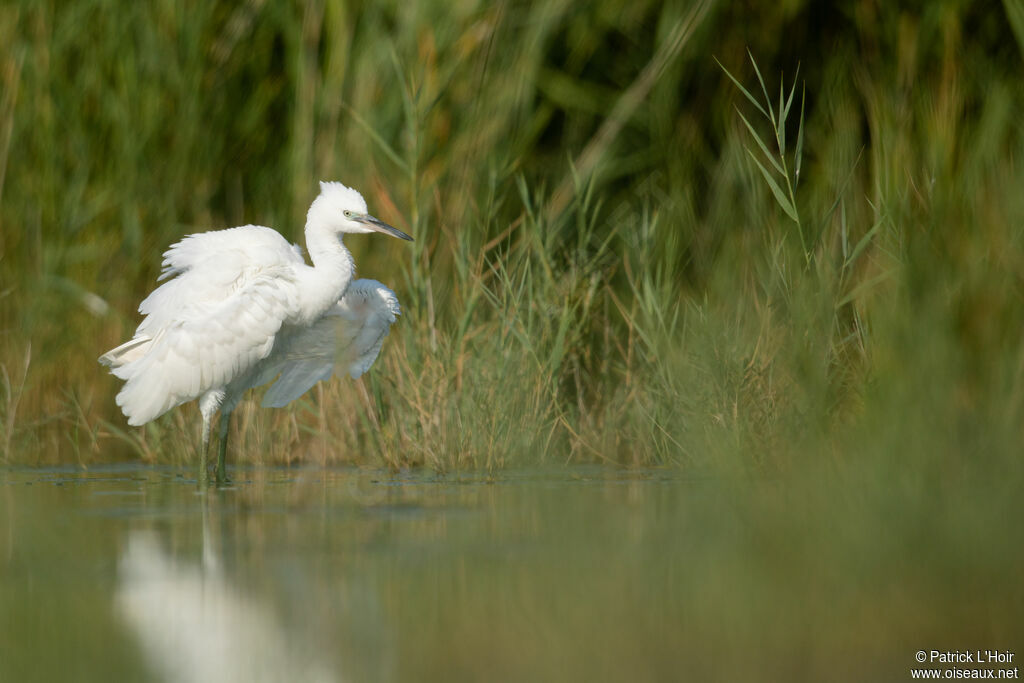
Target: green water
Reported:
point(130, 574)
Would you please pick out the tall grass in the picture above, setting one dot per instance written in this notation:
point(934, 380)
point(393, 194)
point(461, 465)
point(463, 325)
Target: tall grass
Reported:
point(624, 253)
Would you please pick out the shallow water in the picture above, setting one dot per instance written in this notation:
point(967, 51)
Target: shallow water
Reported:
point(129, 573)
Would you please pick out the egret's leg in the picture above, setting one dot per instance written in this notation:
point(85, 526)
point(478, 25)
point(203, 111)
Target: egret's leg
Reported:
point(222, 448)
point(203, 475)
point(208, 406)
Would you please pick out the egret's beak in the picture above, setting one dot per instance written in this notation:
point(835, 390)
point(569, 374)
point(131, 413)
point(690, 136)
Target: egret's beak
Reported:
point(380, 226)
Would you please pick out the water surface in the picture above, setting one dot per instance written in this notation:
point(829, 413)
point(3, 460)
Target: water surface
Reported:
point(129, 573)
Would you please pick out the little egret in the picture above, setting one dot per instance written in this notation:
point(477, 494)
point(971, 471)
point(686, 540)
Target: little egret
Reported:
point(241, 307)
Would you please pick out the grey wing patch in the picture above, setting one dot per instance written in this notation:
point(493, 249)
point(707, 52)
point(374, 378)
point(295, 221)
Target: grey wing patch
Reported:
point(364, 318)
point(347, 339)
point(306, 356)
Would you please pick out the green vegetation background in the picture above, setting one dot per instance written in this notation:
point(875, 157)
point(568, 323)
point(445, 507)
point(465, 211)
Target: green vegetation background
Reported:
point(619, 258)
point(601, 270)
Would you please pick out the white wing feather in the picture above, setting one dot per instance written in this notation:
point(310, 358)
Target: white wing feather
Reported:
point(230, 293)
point(208, 266)
point(347, 338)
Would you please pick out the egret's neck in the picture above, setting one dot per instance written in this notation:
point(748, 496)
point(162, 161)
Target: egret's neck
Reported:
point(331, 274)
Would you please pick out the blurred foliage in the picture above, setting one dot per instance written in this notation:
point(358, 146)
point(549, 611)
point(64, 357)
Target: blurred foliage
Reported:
point(600, 270)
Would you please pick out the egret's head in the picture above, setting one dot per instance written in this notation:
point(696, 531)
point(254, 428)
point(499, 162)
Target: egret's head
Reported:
point(343, 209)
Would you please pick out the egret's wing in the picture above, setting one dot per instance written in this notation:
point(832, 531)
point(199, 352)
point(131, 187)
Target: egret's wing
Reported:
point(210, 324)
point(261, 245)
point(208, 266)
point(362, 319)
point(303, 357)
point(347, 338)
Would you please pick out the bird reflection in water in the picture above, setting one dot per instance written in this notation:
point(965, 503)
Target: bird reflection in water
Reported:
point(193, 625)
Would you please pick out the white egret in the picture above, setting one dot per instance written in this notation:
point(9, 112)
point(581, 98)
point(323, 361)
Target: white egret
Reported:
point(241, 307)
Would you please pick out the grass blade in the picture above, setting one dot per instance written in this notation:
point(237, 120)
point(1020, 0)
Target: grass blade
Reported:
point(800, 139)
point(842, 189)
point(380, 142)
point(780, 196)
point(862, 244)
point(792, 91)
point(760, 143)
point(780, 133)
point(864, 287)
point(743, 90)
point(767, 100)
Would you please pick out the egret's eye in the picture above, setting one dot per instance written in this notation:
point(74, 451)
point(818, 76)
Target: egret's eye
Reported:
point(348, 214)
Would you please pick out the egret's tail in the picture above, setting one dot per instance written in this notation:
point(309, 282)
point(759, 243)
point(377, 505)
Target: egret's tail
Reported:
point(126, 353)
point(144, 396)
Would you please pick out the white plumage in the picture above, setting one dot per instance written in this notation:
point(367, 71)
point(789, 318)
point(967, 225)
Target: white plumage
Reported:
point(346, 339)
point(240, 307)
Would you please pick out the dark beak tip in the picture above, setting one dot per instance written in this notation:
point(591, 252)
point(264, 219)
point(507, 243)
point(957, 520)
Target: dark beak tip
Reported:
point(381, 226)
point(395, 232)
